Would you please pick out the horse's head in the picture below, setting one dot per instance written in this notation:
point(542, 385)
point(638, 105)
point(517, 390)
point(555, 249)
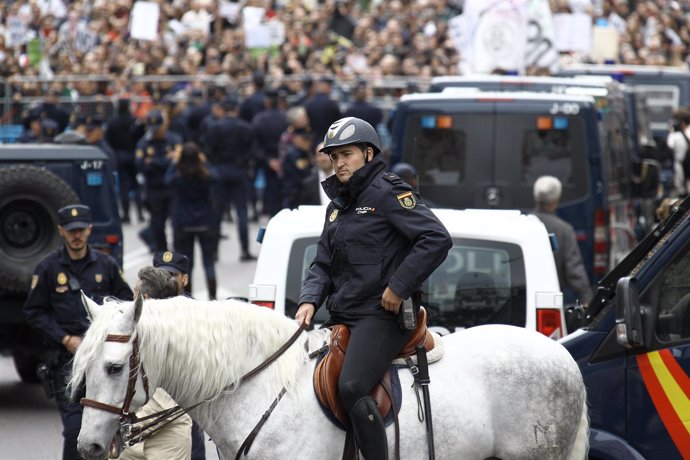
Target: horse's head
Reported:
point(108, 363)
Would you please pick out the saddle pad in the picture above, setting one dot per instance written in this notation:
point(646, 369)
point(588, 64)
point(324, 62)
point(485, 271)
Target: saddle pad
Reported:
point(377, 393)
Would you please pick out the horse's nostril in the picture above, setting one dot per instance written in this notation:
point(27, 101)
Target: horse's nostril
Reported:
point(91, 450)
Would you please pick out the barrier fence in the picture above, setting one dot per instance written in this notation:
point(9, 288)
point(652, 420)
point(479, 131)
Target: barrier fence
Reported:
point(96, 94)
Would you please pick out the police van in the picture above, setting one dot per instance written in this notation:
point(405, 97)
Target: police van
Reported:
point(35, 181)
point(634, 349)
point(476, 149)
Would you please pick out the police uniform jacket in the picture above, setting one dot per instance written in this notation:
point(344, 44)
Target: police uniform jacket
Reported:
point(366, 111)
point(155, 150)
point(269, 126)
point(385, 236)
point(229, 141)
point(296, 167)
point(54, 304)
point(191, 198)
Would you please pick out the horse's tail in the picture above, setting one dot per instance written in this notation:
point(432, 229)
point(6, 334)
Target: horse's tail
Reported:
point(581, 444)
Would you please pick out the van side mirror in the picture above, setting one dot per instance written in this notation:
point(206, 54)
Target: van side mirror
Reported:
point(628, 313)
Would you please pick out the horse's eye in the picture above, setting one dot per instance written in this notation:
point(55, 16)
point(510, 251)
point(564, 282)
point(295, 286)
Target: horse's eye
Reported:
point(115, 369)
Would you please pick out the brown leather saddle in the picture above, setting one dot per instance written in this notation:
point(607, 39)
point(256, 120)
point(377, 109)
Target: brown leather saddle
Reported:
point(327, 371)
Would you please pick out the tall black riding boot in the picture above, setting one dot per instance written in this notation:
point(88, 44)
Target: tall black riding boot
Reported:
point(211, 285)
point(369, 430)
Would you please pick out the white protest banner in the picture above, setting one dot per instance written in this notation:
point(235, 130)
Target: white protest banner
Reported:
point(604, 44)
point(541, 36)
point(230, 11)
point(85, 39)
point(573, 32)
point(506, 34)
point(143, 23)
point(266, 35)
point(16, 31)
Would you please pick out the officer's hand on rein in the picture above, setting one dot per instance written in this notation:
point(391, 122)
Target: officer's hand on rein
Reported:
point(71, 342)
point(390, 301)
point(305, 313)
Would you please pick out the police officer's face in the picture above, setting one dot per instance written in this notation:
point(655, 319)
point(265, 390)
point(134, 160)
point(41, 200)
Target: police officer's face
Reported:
point(347, 159)
point(75, 239)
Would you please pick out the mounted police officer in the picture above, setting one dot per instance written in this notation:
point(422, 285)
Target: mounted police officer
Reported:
point(54, 306)
point(380, 242)
point(153, 156)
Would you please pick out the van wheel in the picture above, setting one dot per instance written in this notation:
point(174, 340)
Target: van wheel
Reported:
point(29, 199)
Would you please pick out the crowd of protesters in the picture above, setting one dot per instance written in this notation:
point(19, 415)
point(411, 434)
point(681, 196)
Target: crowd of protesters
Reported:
point(342, 38)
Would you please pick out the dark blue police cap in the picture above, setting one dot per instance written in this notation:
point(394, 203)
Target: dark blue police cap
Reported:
point(173, 262)
point(74, 216)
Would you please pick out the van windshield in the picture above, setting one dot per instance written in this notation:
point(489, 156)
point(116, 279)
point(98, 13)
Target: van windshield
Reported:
point(480, 282)
point(468, 152)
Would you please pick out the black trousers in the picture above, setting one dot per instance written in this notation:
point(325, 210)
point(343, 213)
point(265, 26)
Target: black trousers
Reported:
point(158, 204)
point(374, 343)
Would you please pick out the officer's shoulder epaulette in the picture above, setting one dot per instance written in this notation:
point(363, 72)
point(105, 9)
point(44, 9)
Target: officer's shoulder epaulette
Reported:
point(392, 178)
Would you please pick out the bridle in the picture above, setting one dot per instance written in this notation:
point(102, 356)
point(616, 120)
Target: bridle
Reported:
point(135, 367)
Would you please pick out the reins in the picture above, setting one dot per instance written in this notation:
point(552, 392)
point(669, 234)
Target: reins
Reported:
point(133, 434)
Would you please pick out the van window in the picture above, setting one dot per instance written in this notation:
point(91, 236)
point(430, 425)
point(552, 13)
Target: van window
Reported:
point(480, 282)
point(674, 299)
point(662, 100)
point(443, 148)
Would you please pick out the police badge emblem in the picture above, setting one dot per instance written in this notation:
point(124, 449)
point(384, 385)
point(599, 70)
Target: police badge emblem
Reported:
point(62, 278)
point(74, 212)
point(407, 200)
point(333, 216)
point(99, 277)
point(167, 256)
point(34, 281)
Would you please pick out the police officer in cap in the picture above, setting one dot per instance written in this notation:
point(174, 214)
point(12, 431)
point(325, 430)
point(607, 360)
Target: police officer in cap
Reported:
point(153, 156)
point(54, 306)
point(379, 243)
point(176, 264)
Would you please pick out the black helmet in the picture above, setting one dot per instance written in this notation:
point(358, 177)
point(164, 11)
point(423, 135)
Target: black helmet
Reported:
point(350, 130)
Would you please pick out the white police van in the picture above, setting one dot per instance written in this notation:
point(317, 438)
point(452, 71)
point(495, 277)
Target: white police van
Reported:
point(499, 270)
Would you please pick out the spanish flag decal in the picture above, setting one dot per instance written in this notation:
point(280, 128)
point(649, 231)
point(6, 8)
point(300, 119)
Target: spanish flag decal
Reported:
point(669, 387)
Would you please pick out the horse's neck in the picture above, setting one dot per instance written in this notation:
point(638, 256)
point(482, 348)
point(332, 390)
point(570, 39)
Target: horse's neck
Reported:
point(201, 363)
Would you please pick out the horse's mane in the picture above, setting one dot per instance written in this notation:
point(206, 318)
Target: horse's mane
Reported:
point(198, 349)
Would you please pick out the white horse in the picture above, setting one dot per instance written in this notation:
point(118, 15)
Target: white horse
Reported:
point(499, 392)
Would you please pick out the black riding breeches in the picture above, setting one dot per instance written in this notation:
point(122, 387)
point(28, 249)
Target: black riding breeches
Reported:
point(374, 343)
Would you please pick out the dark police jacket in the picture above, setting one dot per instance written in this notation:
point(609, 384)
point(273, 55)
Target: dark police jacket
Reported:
point(156, 152)
point(385, 236)
point(54, 304)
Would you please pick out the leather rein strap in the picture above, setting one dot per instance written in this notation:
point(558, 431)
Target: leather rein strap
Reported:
point(134, 367)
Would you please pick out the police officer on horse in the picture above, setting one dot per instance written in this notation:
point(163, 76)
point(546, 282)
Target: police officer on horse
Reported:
point(380, 242)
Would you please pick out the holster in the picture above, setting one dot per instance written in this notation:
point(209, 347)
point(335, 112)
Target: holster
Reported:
point(407, 315)
point(48, 372)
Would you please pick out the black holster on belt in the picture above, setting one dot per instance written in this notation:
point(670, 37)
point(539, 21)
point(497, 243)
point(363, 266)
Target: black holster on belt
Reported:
point(407, 315)
point(49, 372)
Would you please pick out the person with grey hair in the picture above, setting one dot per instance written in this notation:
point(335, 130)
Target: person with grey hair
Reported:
point(174, 439)
point(571, 270)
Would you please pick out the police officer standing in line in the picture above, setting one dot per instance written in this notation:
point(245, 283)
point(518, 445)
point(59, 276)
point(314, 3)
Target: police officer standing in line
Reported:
point(91, 127)
point(153, 154)
point(54, 306)
point(254, 103)
point(269, 126)
point(379, 243)
point(122, 133)
point(363, 109)
point(296, 167)
point(322, 110)
point(228, 144)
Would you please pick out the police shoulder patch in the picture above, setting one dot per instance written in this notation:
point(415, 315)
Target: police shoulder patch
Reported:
point(333, 216)
point(407, 200)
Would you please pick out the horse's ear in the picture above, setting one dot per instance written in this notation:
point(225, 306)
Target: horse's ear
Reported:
point(92, 308)
point(138, 307)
